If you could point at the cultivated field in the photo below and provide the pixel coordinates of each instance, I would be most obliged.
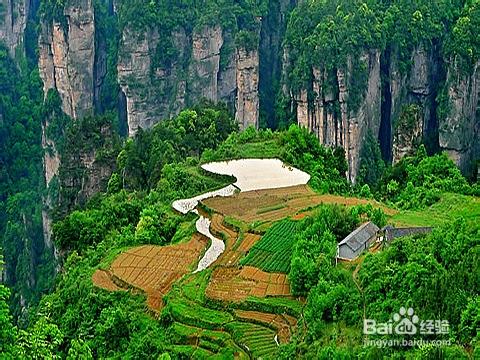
(282, 324)
(152, 269)
(276, 204)
(233, 284)
(274, 250)
(103, 279)
(259, 340)
(236, 245)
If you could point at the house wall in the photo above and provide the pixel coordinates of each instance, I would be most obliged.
(345, 252)
(401, 232)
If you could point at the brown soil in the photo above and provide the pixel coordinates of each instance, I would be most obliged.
(275, 204)
(152, 269)
(231, 284)
(248, 241)
(102, 279)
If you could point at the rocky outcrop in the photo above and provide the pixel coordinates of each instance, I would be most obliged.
(14, 16)
(153, 90)
(345, 127)
(413, 98)
(205, 63)
(66, 64)
(247, 88)
(398, 105)
(66, 57)
(51, 164)
(408, 134)
(459, 130)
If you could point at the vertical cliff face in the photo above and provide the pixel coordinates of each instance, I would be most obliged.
(247, 88)
(413, 98)
(272, 33)
(398, 104)
(333, 116)
(153, 89)
(206, 65)
(51, 164)
(14, 16)
(459, 130)
(66, 57)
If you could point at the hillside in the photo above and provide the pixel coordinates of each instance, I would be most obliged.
(129, 273)
(239, 179)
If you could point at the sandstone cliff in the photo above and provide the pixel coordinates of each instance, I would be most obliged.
(398, 105)
(66, 57)
(459, 130)
(206, 65)
(246, 112)
(14, 15)
(330, 116)
(153, 91)
(413, 100)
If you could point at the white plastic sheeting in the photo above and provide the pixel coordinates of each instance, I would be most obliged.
(258, 174)
(251, 174)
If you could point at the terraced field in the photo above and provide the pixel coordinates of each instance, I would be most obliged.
(274, 250)
(264, 205)
(103, 279)
(235, 285)
(282, 324)
(275, 204)
(237, 245)
(199, 330)
(256, 339)
(152, 269)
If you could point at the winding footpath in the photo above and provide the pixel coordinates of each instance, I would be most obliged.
(251, 174)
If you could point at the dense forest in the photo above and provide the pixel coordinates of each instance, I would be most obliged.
(109, 110)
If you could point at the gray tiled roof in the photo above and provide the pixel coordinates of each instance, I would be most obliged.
(360, 236)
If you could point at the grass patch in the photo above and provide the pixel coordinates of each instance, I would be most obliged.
(449, 208)
(193, 314)
(259, 340)
(189, 352)
(237, 225)
(194, 285)
(185, 231)
(274, 305)
(274, 250)
(271, 208)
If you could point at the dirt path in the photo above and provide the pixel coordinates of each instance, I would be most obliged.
(357, 283)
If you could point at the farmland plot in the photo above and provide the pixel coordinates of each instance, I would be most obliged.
(152, 269)
(282, 324)
(231, 284)
(276, 204)
(258, 340)
(274, 250)
(103, 279)
(265, 205)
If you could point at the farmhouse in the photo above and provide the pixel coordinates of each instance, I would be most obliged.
(358, 241)
(388, 233)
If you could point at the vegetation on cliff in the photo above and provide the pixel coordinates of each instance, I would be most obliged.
(138, 178)
(30, 262)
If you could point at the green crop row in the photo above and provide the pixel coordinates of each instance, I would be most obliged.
(274, 251)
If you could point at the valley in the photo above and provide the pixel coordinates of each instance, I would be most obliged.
(232, 179)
